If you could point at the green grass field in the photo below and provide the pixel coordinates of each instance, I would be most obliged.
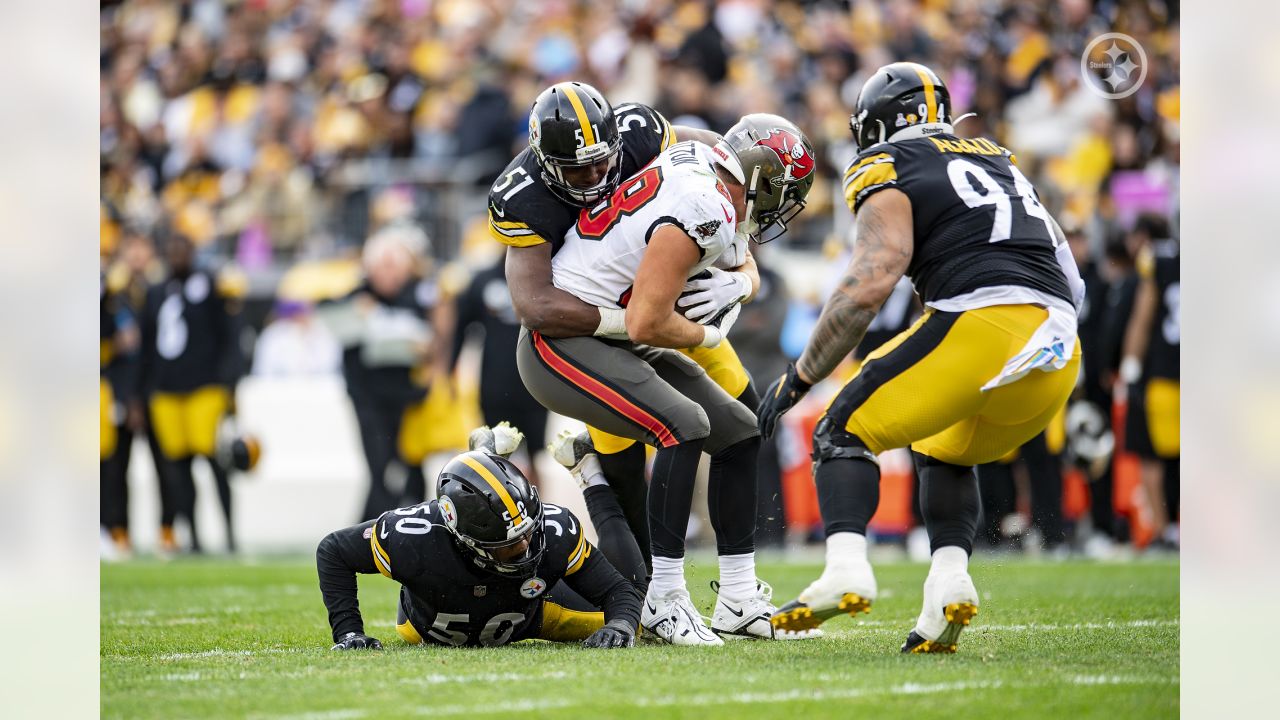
(223, 639)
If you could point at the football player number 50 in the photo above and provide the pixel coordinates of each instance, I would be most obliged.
(495, 632)
(963, 174)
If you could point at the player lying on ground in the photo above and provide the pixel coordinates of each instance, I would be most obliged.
(486, 563)
(689, 209)
(580, 149)
(992, 360)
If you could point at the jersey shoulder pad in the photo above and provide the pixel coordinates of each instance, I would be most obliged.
(520, 203)
(566, 542)
(874, 169)
(397, 537)
(704, 211)
(644, 131)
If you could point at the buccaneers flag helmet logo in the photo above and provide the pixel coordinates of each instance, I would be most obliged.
(797, 163)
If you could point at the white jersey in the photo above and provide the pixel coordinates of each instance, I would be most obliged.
(603, 250)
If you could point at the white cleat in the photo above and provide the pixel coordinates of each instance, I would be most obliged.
(674, 619)
(577, 454)
(748, 617)
(950, 602)
(502, 439)
(844, 591)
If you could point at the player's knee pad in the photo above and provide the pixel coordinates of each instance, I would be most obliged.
(831, 442)
(690, 422)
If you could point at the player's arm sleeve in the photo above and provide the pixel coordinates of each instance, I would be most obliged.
(468, 309)
(147, 347)
(232, 287)
(1067, 262)
(592, 576)
(513, 232)
(340, 555)
(868, 174)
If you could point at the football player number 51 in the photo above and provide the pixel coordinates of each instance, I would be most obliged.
(511, 178)
(961, 171)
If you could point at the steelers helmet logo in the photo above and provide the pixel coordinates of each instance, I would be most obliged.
(449, 512)
(532, 588)
(535, 131)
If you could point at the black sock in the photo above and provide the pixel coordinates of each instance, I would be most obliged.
(1045, 470)
(223, 482)
(948, 502)
(613, 536)
(848, 493)
(625, 473)
(731, 497)
(996, 490)
(671, 495)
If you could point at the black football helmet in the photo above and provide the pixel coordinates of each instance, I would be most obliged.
(489, 506)
(775, 161)
(896, 97)
(574, 136)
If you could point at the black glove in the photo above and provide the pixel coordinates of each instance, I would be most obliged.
(357, 641)
(781, 396)
(614, 634)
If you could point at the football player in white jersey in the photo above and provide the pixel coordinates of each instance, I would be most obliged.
(691, 208)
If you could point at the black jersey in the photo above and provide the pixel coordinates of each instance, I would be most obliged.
(978, 221)
(387, 380)
(453, 601)
(1160, 264)
(523, 211)
(190, 333)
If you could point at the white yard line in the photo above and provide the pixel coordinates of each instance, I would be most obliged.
(716, 699)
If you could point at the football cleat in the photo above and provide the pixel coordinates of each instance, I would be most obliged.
(502, 439)
(577, 454)
(837, 592)
(950, 603)
(748, 617)
(672, 618)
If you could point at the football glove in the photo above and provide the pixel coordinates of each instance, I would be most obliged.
(711, 292)
(781, 396)
(614, 634)
(357, 641)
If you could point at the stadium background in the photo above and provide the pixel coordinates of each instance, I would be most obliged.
(279, 135)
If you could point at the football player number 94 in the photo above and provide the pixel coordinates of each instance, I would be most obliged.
(960, 172)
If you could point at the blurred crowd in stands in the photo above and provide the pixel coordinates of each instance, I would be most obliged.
(279, 135)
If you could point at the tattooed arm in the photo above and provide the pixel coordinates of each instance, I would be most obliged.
(880, 256)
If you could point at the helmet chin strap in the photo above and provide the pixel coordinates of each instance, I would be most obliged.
(749, 213)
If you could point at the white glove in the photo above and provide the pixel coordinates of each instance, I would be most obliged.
(718, 328)
(713, 291)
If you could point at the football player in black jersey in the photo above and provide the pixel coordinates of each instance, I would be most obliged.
(580, 148)
(1150, 372)
(191, 362)
(992, 360)
(486, 563)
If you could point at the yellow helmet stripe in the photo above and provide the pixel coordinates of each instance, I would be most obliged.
(588, 134)
(930, 95)
(498, 487)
